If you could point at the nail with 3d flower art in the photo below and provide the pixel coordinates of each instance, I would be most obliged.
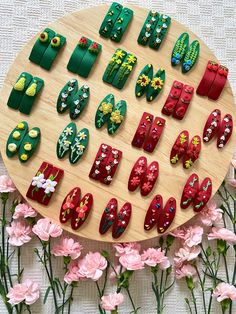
(153, 213)
(225, 131)
(180, 147)
(142, 130)
(203, 195)
(65, 140)
(66, 95)
(149, 178)
(212, 125)
(122, 221)
(81, 211)
(143, 80)
(172, 98)
(137, 173)
(167, 216)
(109, 216)
(189, 191)
(69, 204)
(154, 134)
(15, 138)
(100, 161)
(193, 152)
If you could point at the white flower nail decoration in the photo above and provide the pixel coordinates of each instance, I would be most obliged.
(38, 181)
(49, 186)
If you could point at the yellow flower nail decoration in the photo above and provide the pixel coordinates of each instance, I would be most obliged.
(20, 126)
(174, 159)
(131, 59)
(27, 146)
(188, 163)
(157, 83)
(182, 138)
(106, 108)
(24, 157)
(195, 141)
(116, 117)
(143, 80)
(16, 135)
(119, 54)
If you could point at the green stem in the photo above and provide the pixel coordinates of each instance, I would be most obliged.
(71, 298)
(156, 292)
(194, 300)
(202, 288)
(51, 273)
(226, 267)
(18, 265)
(131, 300)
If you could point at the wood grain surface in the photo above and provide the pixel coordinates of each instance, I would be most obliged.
(212, 162)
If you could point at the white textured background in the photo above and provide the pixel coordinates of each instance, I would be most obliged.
(213, 20)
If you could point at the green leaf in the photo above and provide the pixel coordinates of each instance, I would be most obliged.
(46, 294)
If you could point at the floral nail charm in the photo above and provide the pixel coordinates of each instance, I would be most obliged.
(69, 204)
(104, 110)
(108, 170)
(79, 102)
(65, 140)
(191, 56)
(192, 153)
(180, 49)
(225, 131)
(143, 80)
(66, 95)
(109, 216)
(190, 190)
(153, 213)
(203, 195)
(142, 130)
(149, 178)
(172, 98)
(167, 216)
(137, 173)
(122, 221)
(79, 145)
(100, 161)
(156, 85)
(82, 210)
(212, 125)
(117, 116)
(179, 147)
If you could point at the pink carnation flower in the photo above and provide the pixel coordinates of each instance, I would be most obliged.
(224, 291)
(67, 247)
(233, 163)
(210, 214)
(222, 234)
(186, 270)
(24, 210)
(92, 266)
(6, 184)
(153, 257)
(131, 261)
(111, 301)
(125, 248)
(19, 233)
(186, 254)
(27, 291)
(193, 235)
(231, 181)
(45, 228)
(73, 272)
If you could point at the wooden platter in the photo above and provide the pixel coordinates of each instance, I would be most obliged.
(213, 163)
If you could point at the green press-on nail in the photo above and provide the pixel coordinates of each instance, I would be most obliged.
(78, 54)
(18, 90)
(29, 144)
(114, 65)
(15, 138)
(124, 71)
(156, 85)
(104, 110)
(144, 80)
(180, 49)
(79, 102)
(110, 19)
(30, 95)
(191, 56)
(117, 116)
(66, 95)
(65, 140)
(41, 45)
(79, 145)
(148, 27)
(57, 42)
(121, 24)
(159, 32)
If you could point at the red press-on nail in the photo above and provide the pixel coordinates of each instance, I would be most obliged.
(183, 102)
(192, 153)
(203, 195)
(190, 190)
(153, 212)
(149, 178)
(81, 211)
(154, 134)
(212, 125)
(172, 98)
(122, 221)
(137, 173)
(142, 129)
(219, 83)
(167, 215)
(207, 79)
(180, 147)
(69, 204)
(100, 160)
(109, 216)
(225, 131)
(108, 170)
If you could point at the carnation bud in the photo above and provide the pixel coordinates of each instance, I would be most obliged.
(169, 270)
(169, 240)
(225, 304)
(105, 254)
(221, 246)
(190, 283)
(208, 251)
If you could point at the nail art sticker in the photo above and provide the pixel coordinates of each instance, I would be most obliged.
(19, 89)
(212, 125)
(142, 129)
(167, 216)
(15, 138)
(208, 78)
(192, 153)
(180, 147)
(153, 213)
(79, 102)
(66, 95)
(225, 131)
(172, 98)
(100, 161)
(190, 190)
(183, 102)
(69, 204)
(108, 170)
(137, 173)
(81, 212)
(203, 195)
(143, 80)
(38, 180)
(218, 83)
(65, 140)
(180, 49)
(191, 56)
(154, 134)
(156, 85)
(149, 178)
(104, 110)
(109, 216)
(29, 144)
(117, 116)
(122, 221)
(79, 145)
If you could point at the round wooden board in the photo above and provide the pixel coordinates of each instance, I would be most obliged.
(213, 163)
